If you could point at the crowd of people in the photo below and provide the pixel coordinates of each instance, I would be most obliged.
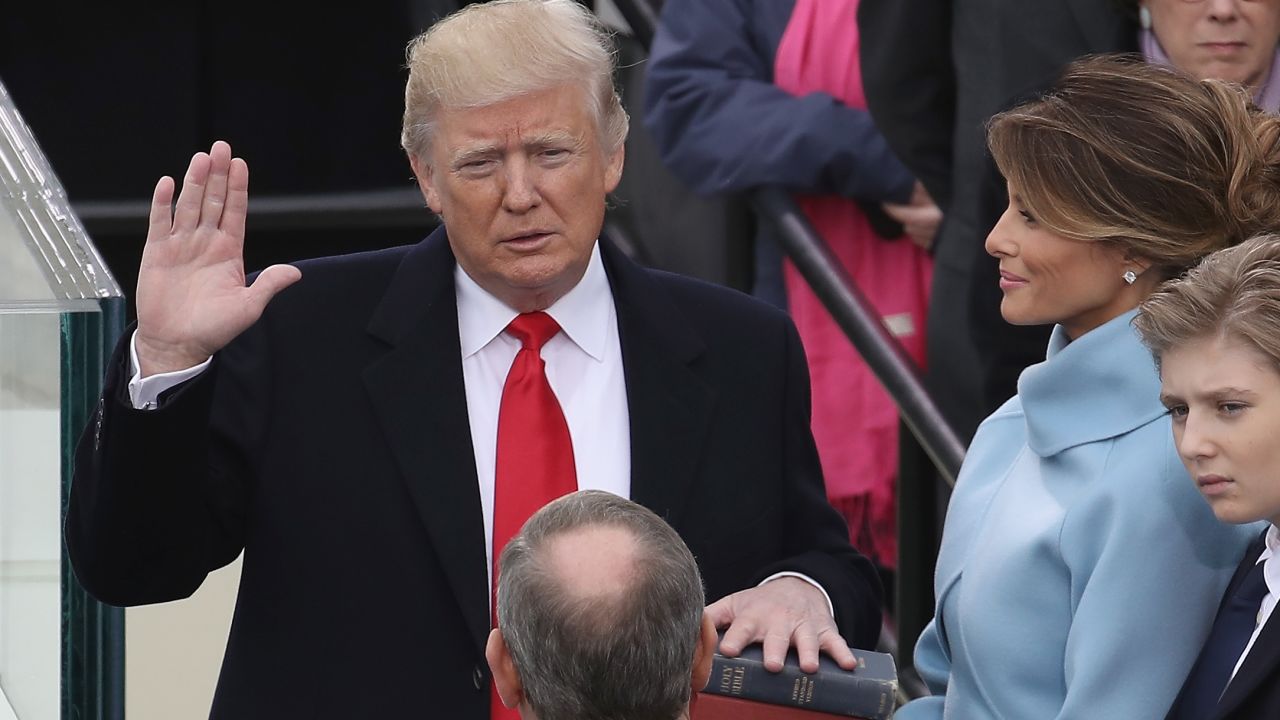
(508, 471)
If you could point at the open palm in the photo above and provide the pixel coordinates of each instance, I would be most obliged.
(191, 296)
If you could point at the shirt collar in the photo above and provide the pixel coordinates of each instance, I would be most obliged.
(580, 313)
(1271, 556)
(1272, 547)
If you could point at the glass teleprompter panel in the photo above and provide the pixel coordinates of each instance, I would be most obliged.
(53, 286)
(30, 490)
(46, 259)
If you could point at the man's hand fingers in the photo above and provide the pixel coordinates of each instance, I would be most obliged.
(806, 643)
(269, 282)
(721, 611)
(215, 191)
(161, 219)
(780, 613)
(237, 207)
(190, 198)
(834, 645)
(740, 634)
(776, 642)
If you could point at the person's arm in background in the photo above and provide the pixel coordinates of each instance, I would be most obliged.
(721, 124)
(910, 84)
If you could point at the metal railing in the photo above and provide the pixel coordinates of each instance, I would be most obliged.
(860, 322)
(888, 361)
(396, 207)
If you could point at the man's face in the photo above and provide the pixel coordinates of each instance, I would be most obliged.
(521, 186)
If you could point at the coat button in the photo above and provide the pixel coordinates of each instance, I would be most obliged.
(477, 677)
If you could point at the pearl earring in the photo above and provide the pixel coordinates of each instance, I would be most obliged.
(1130, 276)
(1144, 17)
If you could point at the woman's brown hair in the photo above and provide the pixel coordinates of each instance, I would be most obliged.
(1162, 166)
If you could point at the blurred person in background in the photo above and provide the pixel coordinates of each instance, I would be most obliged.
(1232, 40)
(742, 94)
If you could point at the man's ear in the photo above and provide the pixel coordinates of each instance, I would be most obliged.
(426, 182)
(504, 672)
(613, 169)
(702, 654)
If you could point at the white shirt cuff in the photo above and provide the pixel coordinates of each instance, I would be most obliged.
(787, 573)
(145, 392)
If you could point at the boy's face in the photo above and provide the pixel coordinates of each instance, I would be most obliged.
(1224, 398)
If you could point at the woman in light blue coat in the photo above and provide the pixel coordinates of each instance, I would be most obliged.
(1079, 567)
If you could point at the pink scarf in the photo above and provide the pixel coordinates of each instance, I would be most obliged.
(855, 423)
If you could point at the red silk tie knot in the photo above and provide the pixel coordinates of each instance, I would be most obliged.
(533, 329)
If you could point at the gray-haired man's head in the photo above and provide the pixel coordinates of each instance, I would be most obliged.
(600, 615)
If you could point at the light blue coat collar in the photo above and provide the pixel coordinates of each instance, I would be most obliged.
(1101, 385)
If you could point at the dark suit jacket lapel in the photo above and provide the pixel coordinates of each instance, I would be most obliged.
(668, 403)
(419, 398)
(1264, 656)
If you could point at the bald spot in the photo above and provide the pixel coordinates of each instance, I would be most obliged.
(594, 562)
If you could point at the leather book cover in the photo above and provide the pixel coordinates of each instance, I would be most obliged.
(869, 691)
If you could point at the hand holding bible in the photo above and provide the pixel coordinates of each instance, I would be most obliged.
(778, 614)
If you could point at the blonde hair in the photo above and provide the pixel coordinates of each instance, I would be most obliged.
(1142, 157)
(490, 52)
(1234, 293)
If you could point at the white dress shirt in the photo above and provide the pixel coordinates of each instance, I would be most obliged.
(584, 368)
(1271, 573)
(583, 365)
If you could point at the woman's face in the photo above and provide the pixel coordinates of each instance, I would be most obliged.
(1223, 39)
(1224, 399)
(1047, 278)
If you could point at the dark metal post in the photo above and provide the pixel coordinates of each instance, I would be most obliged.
(92, 633)
(853, 313)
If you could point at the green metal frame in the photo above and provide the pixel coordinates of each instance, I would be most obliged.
(92, 633)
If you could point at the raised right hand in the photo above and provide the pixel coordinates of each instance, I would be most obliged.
(191, 296)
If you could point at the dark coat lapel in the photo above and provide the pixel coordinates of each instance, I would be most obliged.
(668, 403)
(1264, 657)
(420, 401)
(418, 395)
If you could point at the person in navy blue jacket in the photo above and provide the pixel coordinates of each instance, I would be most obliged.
(748, 93)
(723, 126)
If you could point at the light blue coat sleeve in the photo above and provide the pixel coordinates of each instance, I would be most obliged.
(934, 666)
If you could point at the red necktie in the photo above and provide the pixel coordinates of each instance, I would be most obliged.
(535, 453)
